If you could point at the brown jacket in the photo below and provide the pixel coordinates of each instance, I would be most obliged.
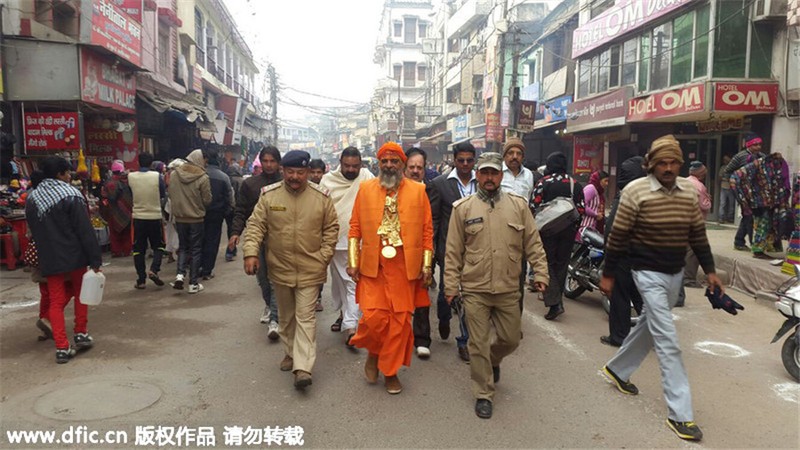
(486, 244)
(299, 229)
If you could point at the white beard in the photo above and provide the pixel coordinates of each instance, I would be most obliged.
(390, 181)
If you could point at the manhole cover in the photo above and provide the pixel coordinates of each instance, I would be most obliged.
(97, 400)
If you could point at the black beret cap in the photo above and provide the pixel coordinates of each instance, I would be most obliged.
(296, 158)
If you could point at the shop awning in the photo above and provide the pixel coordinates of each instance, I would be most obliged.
(438, 137)
(194, 113)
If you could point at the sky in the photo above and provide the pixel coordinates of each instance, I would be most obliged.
(319, 46)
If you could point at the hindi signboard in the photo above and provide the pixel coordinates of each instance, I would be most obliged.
(51, 131)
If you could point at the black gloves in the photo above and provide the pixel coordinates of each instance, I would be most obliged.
(722, 301)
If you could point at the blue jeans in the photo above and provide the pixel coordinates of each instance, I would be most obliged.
(727, 205)
(267, 292)
(444, 313)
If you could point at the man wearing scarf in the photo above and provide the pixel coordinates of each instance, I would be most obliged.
(342, 186)
(390, 247)
(58, 219)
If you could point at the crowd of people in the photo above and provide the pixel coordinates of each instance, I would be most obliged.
(381, 237)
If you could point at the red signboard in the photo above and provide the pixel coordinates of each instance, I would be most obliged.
(106, 84)
(132, 8)
(607, 110)
(526, 115)
(109, 138)
(494, 131)
(51, 131)
(666, 104)
(746, 97)
(588, 155)
(116, 31)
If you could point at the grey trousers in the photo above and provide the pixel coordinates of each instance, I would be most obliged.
(656, 329)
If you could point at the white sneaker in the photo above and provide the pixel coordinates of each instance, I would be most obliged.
(272, 331)
(265, 316)
(178, 283)
(195, 288)
(423, 352)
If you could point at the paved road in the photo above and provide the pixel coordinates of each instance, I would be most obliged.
(203, 360)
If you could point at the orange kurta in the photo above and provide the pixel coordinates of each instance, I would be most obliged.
(387, 290)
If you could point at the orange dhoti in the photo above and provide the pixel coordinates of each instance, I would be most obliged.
(387, 302)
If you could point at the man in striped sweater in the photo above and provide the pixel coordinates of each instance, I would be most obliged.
(657, 219)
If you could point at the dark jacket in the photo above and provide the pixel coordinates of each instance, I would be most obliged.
(445, 193)
(629, 170)
(65, 238)
(249, 192)
(556, 183)
(221, 192)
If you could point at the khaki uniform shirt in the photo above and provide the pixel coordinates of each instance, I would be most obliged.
(299, 230)
(486, 244)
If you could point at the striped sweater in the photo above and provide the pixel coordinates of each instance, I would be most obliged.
(654, 226)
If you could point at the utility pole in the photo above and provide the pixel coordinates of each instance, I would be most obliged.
(501, 74)
(273, 98)
(513, 92)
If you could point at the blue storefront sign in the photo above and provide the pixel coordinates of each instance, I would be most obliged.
(552, 111)
(461, 128)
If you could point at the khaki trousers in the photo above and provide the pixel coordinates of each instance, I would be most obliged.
(297, 324)
(483, 310)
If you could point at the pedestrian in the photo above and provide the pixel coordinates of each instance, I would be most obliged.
(421, 323)
(269, 159)
(727, 199)
(190, 195)
(58, 219)
(295, 222)
(489, 233)
(392, 226)
(170, 228)
(316, 170)
(448, 189)
(31, 259)
(116, 210)
(342, 185)
(625, 294)
(697, 176)
(750, 153)
(658, 218)
(594, 198)
(222, 203)
(234, 173)
(516, 177)
(148, 191)
(558, 246)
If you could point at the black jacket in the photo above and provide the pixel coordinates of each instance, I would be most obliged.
(556, 183)
(221, 192)
(446, 193)
(64, 236)
(629, 170)
(249, 192)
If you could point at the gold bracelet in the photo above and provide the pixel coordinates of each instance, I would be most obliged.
(427, 260)
(352, 252)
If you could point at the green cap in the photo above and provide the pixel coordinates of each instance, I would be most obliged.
(490, 159)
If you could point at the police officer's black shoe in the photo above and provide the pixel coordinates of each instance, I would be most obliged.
(496, 373)
(554, 312)
(483, 408)
(444, 330)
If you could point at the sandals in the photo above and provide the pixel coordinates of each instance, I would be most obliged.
(337, 326)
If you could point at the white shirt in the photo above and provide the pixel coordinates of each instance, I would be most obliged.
(522, 184)
(467, 190)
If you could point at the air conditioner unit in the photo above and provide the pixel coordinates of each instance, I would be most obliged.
(765, 10)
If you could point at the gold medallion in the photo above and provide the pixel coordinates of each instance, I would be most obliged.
(389, 252)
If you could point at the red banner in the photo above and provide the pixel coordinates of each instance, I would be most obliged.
(494, 131)
(746, 97)
(51, 131)
(670, 103)
(588, 156)
(106, 84)
(110, 138)
(116, 31)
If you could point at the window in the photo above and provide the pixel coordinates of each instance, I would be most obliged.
(613, 80)
(410, 36)
(593, 75)
(644, 61)
(603, 70)
(760, 51)
(163, 50)
(409, 74)
(398, 29)
(681, 69)
(730, 40)
(423, 30)
(629, 62)
(422, 73)
(398, 70)
(583, 78)
(200, 37)
(659, 68)
(600, 6)
(701, 41)
(211, 48)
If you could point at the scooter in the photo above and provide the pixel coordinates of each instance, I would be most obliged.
(788, 304)
(585, 266)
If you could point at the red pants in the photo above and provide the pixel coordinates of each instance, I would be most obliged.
(44, 300)
(120, 241)
(59, 297)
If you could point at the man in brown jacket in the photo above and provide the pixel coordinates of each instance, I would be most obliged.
(490, 233)
(190, 193)
(297, 222)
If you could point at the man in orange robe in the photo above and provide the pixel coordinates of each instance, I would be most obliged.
(390, 248)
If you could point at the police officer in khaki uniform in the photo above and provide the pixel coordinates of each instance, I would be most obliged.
(297, 222)
(489, 235)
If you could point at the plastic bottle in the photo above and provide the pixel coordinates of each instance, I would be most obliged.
(92, 287)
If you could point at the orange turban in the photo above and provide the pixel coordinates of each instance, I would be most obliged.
(392, 147)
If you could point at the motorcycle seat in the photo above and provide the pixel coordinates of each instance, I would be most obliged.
(593, 238)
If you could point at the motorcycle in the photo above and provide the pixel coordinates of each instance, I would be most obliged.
(585, 267)
(788, 304)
